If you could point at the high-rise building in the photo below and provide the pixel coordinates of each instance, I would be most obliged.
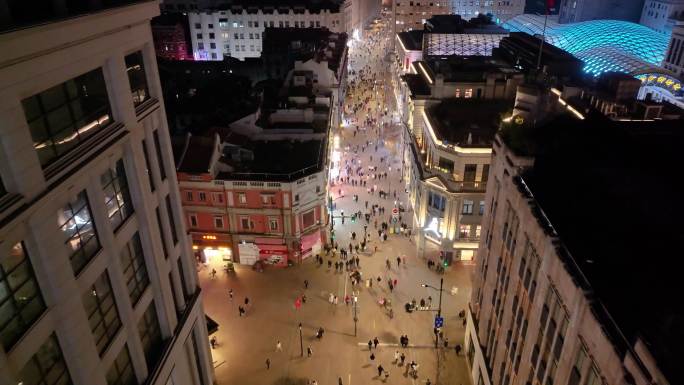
(563, 292)
(661, 15)
(97, 281)
(573, 11)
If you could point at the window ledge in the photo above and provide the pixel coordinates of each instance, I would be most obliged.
(145, 108)
(9, 202)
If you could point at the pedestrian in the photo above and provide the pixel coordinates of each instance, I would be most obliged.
(458, 349)
(331, 298)
(230, 294)
(306, 284)
(396, 356)
(213, 273)
(402, 357)
(339, 381)
(395, 282)
(279, 347)
(376, 342)
(446, 342)
(213, 342)
(309, 352)
(246, 301)
(380, 370)
(268, 364)
(398, 261)
(429, 304)
(370, 345)
(372, 357)
(241, 310)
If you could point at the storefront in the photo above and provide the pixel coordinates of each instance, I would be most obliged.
(212, 249)
(311, 244)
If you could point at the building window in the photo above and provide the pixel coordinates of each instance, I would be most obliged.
(150, 336)
(308, 219)
(193, 220)
(188, 196)
(81, 236)
(3, 190)
(160, 157)
(210, 26)
(135, 68)
(469, 173)
(464, 231)
(148, 170)
(468, 93)
(134, 270)
(218, 197)
(199, 35)
(172, 220)
(242, 198)
(245, 223)
(121, 371)
(62, 117)
(198, 25)
(46, 367)
(162, 233)
(268, 199)
(436, 201)
(218, 222)
(212, 45)
(212, 35)
(482, 207)
(202, 196)
(273, 224)
(467, 207)
(478, 231)
(200, 45)
(256, 24)
(117, 198)
(103, 317)
(458, 93)
(20, 300)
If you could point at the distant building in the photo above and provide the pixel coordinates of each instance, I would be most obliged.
(674, 58)
(548, 298)
(97, 281)
(238, 30)
(574, 11)
(661, 15)
(408, 15)
(171, 37)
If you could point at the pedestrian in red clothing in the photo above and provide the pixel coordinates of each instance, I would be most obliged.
(395, 283)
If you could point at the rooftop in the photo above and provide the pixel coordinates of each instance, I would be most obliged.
(193, 154)
(411, 40)
(303, 158)
(417, 84)
(617, 210)
(466, 69)
(453, 24)
(468, 122)
(281, 6)
(305, 43)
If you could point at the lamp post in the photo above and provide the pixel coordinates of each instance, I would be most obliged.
(356, 319)
(301, 342)
(439, 308)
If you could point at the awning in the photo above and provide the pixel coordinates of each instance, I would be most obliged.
(212, 326)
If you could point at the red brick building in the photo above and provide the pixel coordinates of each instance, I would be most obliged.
(171, 39)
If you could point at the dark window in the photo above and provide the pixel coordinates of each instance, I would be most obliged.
(446, 164)
(121, 371)
(81, 236)
(172, 220)
(150, 336)
(135, 68)
(147, 164)
(162, 233)
(62, 117)
(184, 285)
(103, 317)
(436, 201)
(198, 360)
(134, 270)
(160, 158)
(117, 198)
(3, 190)
(469, 173)
(485, 172)
(20, 300)
(46, 367)
(176, 303)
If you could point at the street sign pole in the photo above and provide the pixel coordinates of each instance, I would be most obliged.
(355, 318)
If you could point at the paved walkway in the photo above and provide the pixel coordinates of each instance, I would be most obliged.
(244, 343)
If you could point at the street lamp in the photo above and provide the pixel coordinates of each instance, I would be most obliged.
(439, 309)
(356, 319)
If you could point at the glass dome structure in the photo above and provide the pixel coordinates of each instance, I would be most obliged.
(603, 45)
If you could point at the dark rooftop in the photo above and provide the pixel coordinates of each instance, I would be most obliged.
(611, 191)
(295, 159)
(468, 122)
(192, 154)
(417, 84)
(270, 6)
(467, 68)
(412, 40)
(453, 24)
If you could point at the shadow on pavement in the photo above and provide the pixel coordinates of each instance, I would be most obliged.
(291, 381)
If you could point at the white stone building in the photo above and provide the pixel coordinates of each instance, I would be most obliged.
(413, 14)
(238, 31)
(98, 284)
(661, 15)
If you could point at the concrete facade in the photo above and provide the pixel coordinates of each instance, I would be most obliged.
(34, 205)
(573, 11)
(661, 15)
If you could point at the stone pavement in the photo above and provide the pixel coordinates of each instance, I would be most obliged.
(244, 343)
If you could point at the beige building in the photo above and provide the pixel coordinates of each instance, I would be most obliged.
(562, 297)
(97, 281)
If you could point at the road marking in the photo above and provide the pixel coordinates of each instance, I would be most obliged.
(349, 379)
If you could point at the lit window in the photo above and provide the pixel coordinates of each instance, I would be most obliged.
(100, 307)
(273, 224)
(117, 198)
(135, 68)
(464, 231)
(478, 231)
(134, 270)
(468, 93)
(64, 116)
(467, 207)
(21, 302)
(458, 93)
(81, 236)
(242, 198)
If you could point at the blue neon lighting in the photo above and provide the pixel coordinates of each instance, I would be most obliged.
(603, 45)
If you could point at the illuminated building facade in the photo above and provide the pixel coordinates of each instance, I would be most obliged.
(97, 281)
(410, 15)
(575, 11)
(603, 45)
(548, 297)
